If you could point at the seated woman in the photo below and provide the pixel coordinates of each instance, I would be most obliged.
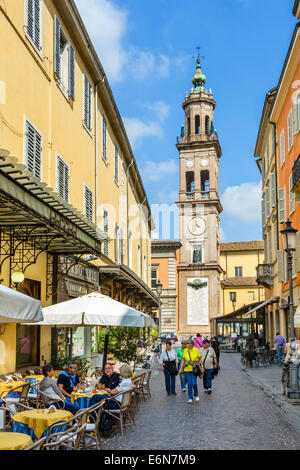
(124, 385)
(49, 387)
(250, 354)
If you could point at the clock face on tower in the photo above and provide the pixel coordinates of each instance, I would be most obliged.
(189, 164)
(197, 226)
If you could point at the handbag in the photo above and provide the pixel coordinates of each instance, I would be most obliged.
(196, 369)
(171, 366)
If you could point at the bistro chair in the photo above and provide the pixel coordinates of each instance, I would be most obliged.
(82, 374)
(37, 445)
(79, 418)
(44, 401)
(23, 390)
(125, 410)
(66, 440)
(146, 383)
(92, 432)
(135, 393)
(6, 419)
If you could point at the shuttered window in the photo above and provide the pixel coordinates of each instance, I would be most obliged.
(290, 130)
(275, 239)
(267, 195)
(270, 248)
(282, 206)
(273, 136)
(64, 60)
(105, 229)
(282, 147)
(87, 105)
(273, 189)
(116, 163)
(34, 22)
(88, 203)
(267, 156)
(33, 150)
(263, 172)
(296, 114)
(292, 195)
(263, 212)
(62, 179)
(104, 132)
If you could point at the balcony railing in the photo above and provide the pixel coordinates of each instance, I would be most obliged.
(265, 275)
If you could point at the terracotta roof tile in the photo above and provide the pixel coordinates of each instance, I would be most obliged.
(242, 246)
(239, 282)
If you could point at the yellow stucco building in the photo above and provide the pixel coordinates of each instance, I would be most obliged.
(239, 261)
(74, 214)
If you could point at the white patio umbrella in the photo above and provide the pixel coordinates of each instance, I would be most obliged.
(18, 308)
(94, 310)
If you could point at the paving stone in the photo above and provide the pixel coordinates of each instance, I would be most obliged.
(237, 415)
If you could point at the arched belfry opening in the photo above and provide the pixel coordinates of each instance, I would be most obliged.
(205, 183)
(207, 125)
(190, 182)
(188, 132)
(197, 125)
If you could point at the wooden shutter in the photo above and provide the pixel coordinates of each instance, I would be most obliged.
(292, 195)
(30, 18)
(105, 229)
(33, 150)
(267, 195)
(263, 212)
(62, 179)
(57, 67)
(273, 190)
(282, 147)
(282, 207)
(88, 204)
(295, 118)
(37, 23)
(71, 72)
(280, 266)
(290, 129)
(87, 103)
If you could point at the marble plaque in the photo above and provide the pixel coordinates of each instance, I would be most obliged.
(197, 303)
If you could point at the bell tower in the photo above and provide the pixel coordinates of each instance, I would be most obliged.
(200, 208)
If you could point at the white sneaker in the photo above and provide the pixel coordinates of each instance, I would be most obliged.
(197, 398)
(184, 389)
(190, 401)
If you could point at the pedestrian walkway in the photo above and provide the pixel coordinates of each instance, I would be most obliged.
(238, 415)
(269, 380)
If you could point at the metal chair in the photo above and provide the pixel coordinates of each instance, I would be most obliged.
(37, 445)
(43, 401)
(124, 410)
(23, 390)
(146, 383)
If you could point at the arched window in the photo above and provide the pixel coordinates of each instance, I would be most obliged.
(207, 125)
(188, 127)
(190, 182)
(205, 184)
(197, 125)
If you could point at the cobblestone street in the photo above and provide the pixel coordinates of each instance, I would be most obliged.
(238, 415)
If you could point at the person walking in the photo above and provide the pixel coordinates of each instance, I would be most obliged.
(280, 344)
(169, 366)
(182, 376)
(250, 354)
(216, 346)
(191, 358)
(209, 364)
(198, 341)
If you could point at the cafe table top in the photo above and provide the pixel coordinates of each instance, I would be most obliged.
(7, 386)
(39, 420)
(77, 395)
(14, 441)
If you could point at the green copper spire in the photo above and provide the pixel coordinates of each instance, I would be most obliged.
(199, 78)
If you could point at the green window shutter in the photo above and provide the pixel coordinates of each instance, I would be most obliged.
(62, 179)
(87, 103)
(57, 67)
(33, 150)
(280, 266)
(88, 197)
(71, 72)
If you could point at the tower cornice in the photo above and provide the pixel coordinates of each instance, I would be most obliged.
(198, 142)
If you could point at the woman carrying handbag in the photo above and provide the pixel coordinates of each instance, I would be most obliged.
(192, 365)
(169, 366)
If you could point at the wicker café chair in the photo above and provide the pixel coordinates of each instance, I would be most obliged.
(37, 445)
(146, 383)
(43, 401)
(92, 437)
(125, 410)
(66, 440)
(23, 398)
(79, 418)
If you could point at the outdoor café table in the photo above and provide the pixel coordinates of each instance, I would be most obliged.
(83, 399)
(14, 441)
(56, 373)
(36, 423)
(34, 379)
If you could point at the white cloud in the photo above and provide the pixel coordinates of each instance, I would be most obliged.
(145, 64)
(137, 130)
(161, 171)
(106, 24)
(243, 202)
(161, 109)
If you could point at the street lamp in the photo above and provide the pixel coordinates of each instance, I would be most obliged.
(159, 292)
(17, 278)
(289, 242)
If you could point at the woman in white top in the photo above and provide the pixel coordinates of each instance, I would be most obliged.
(169, 365)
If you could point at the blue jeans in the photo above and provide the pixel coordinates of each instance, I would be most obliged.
(207, 378)
(68, 406)
(192, 385)
(280, 354)
(182, 380)
(169, 381)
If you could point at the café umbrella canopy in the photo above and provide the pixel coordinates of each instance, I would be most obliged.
(18, 308)
(94, 309)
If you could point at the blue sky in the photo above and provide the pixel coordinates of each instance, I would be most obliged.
(147, 50)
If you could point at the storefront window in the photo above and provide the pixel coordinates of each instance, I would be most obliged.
(78, 341)
(25, 342)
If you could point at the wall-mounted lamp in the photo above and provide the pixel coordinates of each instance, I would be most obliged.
(17, 278)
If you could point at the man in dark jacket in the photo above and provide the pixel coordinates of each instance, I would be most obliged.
(109, 379)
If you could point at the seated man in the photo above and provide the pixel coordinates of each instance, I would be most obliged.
(66, 381)
(50, 388)
(109, 379)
